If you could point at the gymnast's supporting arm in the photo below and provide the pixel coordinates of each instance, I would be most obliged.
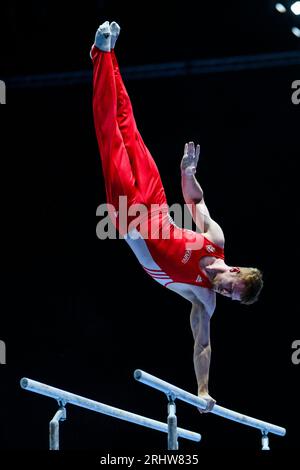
(200, 324)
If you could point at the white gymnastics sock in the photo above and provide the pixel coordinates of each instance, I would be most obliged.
(103, 36)
(114, 31)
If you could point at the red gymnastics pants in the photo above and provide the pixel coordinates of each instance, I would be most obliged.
(128, 167)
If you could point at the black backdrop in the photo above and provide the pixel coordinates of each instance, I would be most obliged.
(79, 313)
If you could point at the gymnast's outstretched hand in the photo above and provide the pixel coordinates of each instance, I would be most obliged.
(190, 159)
(210, 402)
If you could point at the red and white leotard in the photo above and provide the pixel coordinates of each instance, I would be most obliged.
(129, 170)
(171, 260)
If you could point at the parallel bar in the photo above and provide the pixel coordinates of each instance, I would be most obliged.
(187, 397)
(77, 400)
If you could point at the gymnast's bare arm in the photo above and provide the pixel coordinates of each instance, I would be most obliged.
(200, 324)
(193, 196)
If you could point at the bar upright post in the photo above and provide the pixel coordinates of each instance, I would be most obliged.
(60, 415)
(265, 441)
(172, 425)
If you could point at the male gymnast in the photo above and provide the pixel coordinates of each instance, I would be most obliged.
(190, 263)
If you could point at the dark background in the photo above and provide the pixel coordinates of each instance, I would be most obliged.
(79, 313)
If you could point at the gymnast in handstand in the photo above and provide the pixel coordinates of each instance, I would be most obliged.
(190, 263)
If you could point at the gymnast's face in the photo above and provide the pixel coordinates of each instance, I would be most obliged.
(228, 285)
